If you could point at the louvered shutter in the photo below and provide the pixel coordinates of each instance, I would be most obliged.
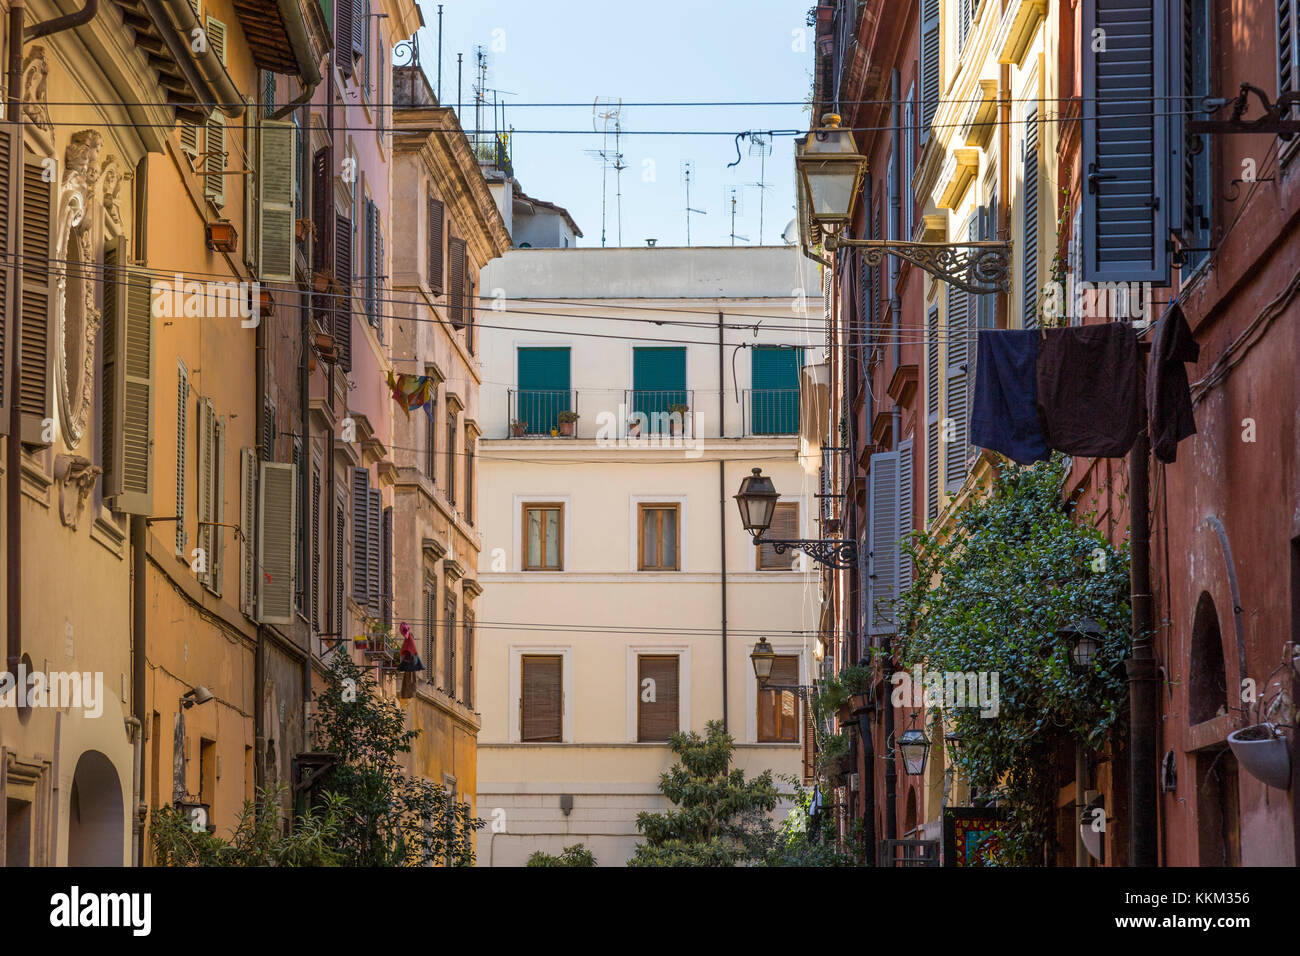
(216, 31)
(1125, 142)
(909, 164)
(343, 275)
(214, 163)
(456, 305)
(268, 93)
(386, 568)
(189, 139)
(469, 308)
(430, 627)
(449, 643)
(435, 251)
(127, 404)
(657, 678)
(778, 710)
(315, 556)
(344, 27)
(360, 536)
(360, 27)
(277, 534)
(268, 429)
(247, 517)
(541, 698)
(956, 391)
(339, 611)
(1288, 47)
(809, 750)
(933, 426)
(9, 165)
(276, 210)
(963, 22)
(1029, 209)
(206, 486)
(930, 65)
(374, 553)
(985, 305)
(34, 386)
(372, 245)
(182, 430)
(322, 215)
(217, 556)
(905, 488)
(882, 538)
(467, 656)
(785, 526)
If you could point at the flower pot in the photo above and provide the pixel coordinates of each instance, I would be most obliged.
(860, 703)
(566, 429)
(518, 431)
(633, 429)
(1263, 752)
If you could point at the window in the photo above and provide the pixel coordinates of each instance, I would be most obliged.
(774, 398)
(467, 660)
(543, 545)
(449, 644)
(659, 387)
(182, 420)
(1195, 234)
(785, 524)
(207, 773)
(469, 476)
(451, 458)
(1029, 229)
(431, 448)
(657, 697)
(778, 710)
(1288, 46)
(456, 285)
(543, 377)
(657, 538)
(430, 624)
(929, 65)
(541, 698)
(435, 250)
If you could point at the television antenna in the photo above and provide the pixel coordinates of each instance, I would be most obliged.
(760, 145)
(606, 119)
(735, 202)
(688, 169)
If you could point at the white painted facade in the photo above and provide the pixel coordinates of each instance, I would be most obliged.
(600, 612)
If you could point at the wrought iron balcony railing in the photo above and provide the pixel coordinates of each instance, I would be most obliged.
(771, 411)
(539, 413)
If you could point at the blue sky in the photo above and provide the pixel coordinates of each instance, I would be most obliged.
(573, 51)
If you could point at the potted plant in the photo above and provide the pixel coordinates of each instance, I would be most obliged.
(1262, 750)
(567, 420)
(518, 428)
(857, 682)
(634, 426)
(677, 419)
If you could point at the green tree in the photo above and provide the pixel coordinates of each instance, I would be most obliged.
(258, 839)
(798, 843)
(575, 855)
(391, 818)
(991, 590)
(722, 819)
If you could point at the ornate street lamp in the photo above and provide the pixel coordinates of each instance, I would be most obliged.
(757, 502)
(762, 657)
(830, 172)
(1085, 639)
(915, 747)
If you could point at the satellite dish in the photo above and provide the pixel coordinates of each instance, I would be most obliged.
(791, 233)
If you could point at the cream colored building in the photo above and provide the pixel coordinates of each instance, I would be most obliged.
(602, 625)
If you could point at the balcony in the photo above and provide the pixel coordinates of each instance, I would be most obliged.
(536, 413)
(771, 411)
(659, 411)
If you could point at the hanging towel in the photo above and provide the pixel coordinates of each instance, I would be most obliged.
(1004, 416)
(1169, 400)
(1088, 394)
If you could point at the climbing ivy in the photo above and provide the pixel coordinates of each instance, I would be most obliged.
(992, 587)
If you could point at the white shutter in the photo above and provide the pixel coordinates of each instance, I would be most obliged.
(216, 31)
(904, 512)
(247, 517)
(207, 448)
(931, 61)
(214, 163)
(956, 390)
(276, 170)
(127, 404)
(932, 423)
(277, 514)
(882, 539)
(190, 139)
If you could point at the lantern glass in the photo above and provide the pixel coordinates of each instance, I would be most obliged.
(1085, 637)
(915, 747)
(831, 169)
(757, 502)
(762, 658)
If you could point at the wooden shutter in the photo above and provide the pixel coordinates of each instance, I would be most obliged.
(541, 698)
(930, 65)
(206, 486)
(361, 536)
(127, 404)
(449, 642)
(247, 518)
(456, 305)
(657, 719)
(216, 31)
(343, 275)
(315, 556)
(882, 542)
(277, 535)
(956, 389)
(182, 429)
(374, 552)
(430, 627)
(467, 657)
(451, 459)
(339, 611)
(360, 27)
(435, 250)
(268, 429)
(904, 513)
(1125, 142)
(1288, 47)
(322, 215)
(344, 27)
(469, 476)
(9, 166)
(214, 162)
(189, 139)
(932, 424)
(277, 185)
(809, 750)
(217, 556)
(1029, 230)
(778, 710)
(372, 243)
(386, 567)
(34, 386)
(785, 525)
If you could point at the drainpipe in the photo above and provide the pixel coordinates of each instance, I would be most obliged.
(135, 730)
(259, 653)
(1141, 665)
(1002, 304)
(722, 513)
(139, 650)
(895, 222)
(868, 785)
(210, 65)
(13, 452)
(310, 73)
(304, 493)
(59, 24)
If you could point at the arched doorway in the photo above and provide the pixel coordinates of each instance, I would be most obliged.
(96, 814)
(1208, 685)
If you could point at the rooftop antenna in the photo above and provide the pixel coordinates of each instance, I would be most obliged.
(734, 202)
(440, 54)
(760, 145)
(688, 168)
(606, 117)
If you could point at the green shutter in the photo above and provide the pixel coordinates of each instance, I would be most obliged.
(543, 388)
(658, 383)
(774, 396)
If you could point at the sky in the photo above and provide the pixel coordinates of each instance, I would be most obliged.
(574, 51)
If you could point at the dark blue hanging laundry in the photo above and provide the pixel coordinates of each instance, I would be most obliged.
(1004, 416)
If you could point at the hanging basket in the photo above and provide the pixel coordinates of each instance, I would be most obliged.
(1263, 752)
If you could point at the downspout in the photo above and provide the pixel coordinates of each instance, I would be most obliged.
(135, 730)
(13, 453)
(1141, 665)
(309, 72)
(891, 761)
(895, 222)
(139, 652)
(304, 493)
(59, 24)
(722, 512)
(259, 654)
(214, 72)
(1002, 305)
